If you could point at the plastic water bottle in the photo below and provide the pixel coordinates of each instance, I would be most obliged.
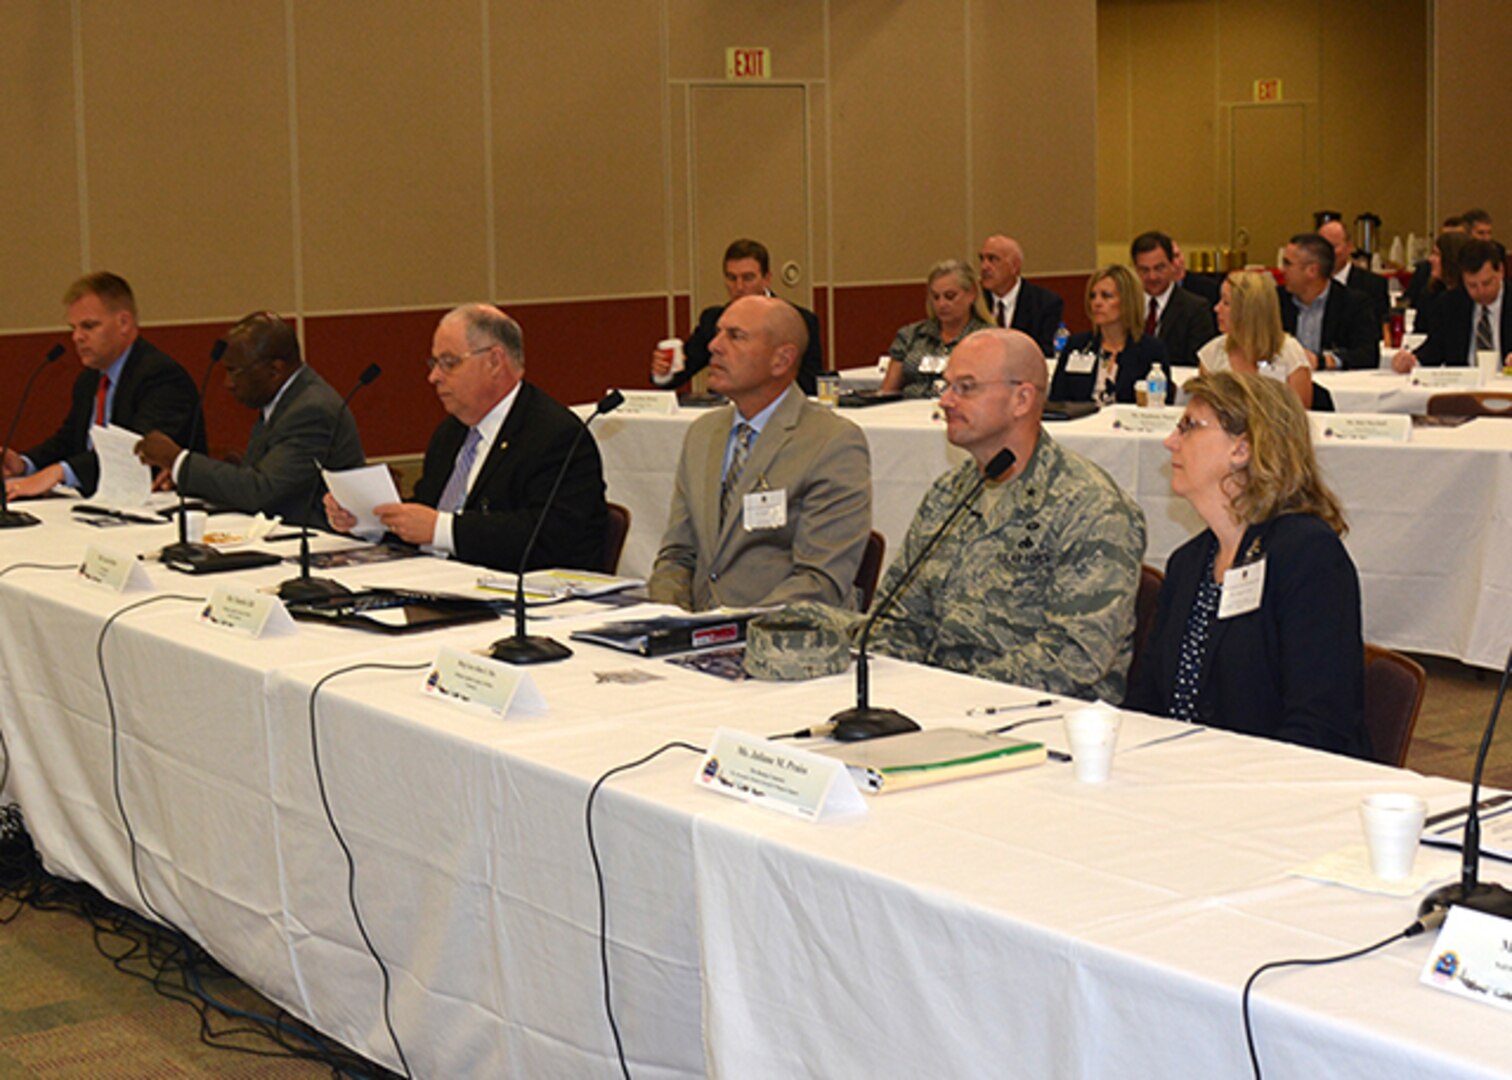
(1061, 337)
(1156, 381)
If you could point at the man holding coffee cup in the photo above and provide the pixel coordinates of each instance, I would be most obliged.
(747, 272)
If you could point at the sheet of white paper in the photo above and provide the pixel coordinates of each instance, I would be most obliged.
(125, 483)
(359, 490)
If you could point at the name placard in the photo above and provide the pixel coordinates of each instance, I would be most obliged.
(480, 683)
(649, 403)
(782, 778)
(247, 612)
(1438, 378)
(1361, 427)
(1473, 958)
(1151, 420)
(115, 570)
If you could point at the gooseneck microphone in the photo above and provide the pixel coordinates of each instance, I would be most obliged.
(16, 519)
(1469, 891)
(865, 721)
(305, 588)
(522, 648)
(184, 551)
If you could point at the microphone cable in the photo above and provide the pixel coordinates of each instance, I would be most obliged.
(346, 851)
(598, 877)
(1416, 928)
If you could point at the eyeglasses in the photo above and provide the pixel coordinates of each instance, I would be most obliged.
(1186, 425)
(968, 388)
(449, 363)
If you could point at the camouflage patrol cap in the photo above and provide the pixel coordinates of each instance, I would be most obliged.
(802, 641)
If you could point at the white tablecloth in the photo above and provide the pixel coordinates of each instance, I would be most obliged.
(1014, 925)
(1427, 519)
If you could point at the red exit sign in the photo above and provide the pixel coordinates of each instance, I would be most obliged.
(748, 63)
(1267, 89)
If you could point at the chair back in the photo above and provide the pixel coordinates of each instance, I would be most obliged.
(1322, 400)
(1471, 403)
(871, 568)
(614, 536)
(1394, 686)
(1146, 600)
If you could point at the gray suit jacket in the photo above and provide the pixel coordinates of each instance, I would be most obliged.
(277, 475)
(821, 461)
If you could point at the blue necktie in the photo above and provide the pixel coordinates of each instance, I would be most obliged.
(455, 492)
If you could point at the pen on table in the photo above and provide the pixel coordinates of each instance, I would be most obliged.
(1057, 755)
(1021, 723)
(993, 710)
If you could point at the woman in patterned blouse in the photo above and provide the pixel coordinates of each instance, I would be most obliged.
(919, 351)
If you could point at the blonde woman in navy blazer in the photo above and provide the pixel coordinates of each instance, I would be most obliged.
(1120, 352)
(1288, 662)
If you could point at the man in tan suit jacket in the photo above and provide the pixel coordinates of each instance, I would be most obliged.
(773, 496)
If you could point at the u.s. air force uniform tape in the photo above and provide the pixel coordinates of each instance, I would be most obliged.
(802, 641)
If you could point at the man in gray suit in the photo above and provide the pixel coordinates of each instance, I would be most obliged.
(299, 412)
(773, 496)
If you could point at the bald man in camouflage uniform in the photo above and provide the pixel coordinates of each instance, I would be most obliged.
(1035, 584)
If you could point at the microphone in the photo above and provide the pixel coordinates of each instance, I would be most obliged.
(17, 519)
(522, 648)
(1469, 892)
(864, 721)
(305, 588)
(184, 551)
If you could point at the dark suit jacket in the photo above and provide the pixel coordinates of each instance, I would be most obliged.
(1294, 668)
(510, 491)
(278, 473)
(1186, 325)
(1038, 313)
(1451, 330)
(154, 393)
(696, 349)
(1349, 327)
(1373, 287)
(1202, 285)
(1133, 364)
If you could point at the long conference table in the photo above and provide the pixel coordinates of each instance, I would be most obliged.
(1430, 520)
(1016, 925)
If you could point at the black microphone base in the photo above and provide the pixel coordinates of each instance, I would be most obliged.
(187, 553)
(1491, 899)
(854, 725)
(528, 650)
(302, 590)
(17, 519)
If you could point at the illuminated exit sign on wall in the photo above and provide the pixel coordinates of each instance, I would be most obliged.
(748, 63)
(1267, 89)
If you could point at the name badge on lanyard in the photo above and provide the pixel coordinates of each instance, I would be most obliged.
(1081, 362)
(765, 510)
(1242, 588)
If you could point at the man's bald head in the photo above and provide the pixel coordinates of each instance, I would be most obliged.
(1017, 355)
(999, 263)
(783, 325)
(1338, 239)
(994, 394)
(754, 357)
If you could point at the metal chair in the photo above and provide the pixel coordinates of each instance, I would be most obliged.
(1394, 686)
(1471, 403)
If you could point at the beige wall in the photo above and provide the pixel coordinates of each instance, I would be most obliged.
(1171, 72)
(1473, 112)
(322, 158)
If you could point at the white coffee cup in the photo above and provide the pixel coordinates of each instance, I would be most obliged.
(194, 525)
(1393, 825)
(1092, 734)
(675, 347)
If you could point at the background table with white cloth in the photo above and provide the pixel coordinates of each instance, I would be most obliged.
(1013, 925)
(1429, 520)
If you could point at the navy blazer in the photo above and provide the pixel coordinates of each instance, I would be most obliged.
(1450, 330)
(696, 350)
(154, 394)
(1038, 313)
(1372, 287)
(510, 490)
(1133, 364)
(1186, 325)
(1350, 329)
(1294, 668)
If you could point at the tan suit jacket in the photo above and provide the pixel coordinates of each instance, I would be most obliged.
(821, 461)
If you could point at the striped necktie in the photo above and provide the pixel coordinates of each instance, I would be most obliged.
(745, 435)
(455, 492)
(1484, 342)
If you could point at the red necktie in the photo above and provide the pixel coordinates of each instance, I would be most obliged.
(100, 396)
(1153, 318)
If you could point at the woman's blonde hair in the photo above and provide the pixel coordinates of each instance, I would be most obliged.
(1282, 476)
(1254, 316)
(1128, 293)
(966, 278)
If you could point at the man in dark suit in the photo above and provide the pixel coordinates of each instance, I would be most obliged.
(1334, 324)
(301, 426)
(492, 463)
(747, 272)
(125, 382)
(1345, 272)
(1203, 285)
(1179, 318)
(1015, 303)
(1472, 318)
